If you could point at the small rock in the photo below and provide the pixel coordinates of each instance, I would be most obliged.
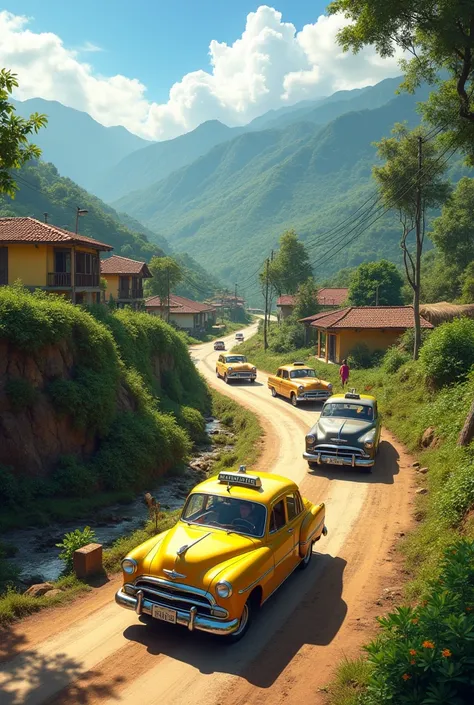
(423, 471)
(54, 592)
(401, 534)
(428, 437)
(419, 516)
(421, 490)
(415, 465)
(39, 589)
(214, 432)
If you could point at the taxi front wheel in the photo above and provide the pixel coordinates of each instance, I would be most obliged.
(307, 559)
(245, 622)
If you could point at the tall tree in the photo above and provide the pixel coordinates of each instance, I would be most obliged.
(411, 190)
(439, 36)
(376, 283)
(167, 274)
(453, 231)
(291, 266)
(15, 150)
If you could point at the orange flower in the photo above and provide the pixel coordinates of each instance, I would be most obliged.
(413, 662)
(406, 677)
(446, 653)
(469, 609)
(428, 645)
(424, 603)
(412, 652)
(415, 620)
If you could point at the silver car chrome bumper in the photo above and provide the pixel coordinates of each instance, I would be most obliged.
(185, 618)
(241, 375)
(320, 397)
(353, 461)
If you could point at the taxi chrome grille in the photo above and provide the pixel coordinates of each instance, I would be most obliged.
(316, 394)
(339, 451)
(177, 597)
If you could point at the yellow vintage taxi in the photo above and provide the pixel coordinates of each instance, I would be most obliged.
(299, 382)
(240, 535)
(232, 367)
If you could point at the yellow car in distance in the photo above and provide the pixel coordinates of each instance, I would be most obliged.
(298, 382)
(232, 367)
(239, 537)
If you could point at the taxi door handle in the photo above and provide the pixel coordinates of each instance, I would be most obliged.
(290, 531)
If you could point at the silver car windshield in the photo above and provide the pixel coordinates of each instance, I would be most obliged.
(228, 513)
(297, 374)
(346, 410)
(236, 358)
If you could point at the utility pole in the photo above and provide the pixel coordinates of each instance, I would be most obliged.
(79, 212)
(419, 248)
(168, 296)
(265, 341)
(45, 217)
(377, 294)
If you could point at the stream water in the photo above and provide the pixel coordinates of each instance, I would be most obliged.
(37, 554)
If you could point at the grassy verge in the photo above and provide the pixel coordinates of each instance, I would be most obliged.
(14, 605)
(350, 681)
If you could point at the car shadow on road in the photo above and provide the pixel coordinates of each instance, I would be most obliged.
(307, 610)
(384, 471)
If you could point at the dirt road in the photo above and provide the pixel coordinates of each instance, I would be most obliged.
(94, 652)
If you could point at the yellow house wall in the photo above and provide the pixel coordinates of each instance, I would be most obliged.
(183, 320)
(112, 286)
(374, 339)
(28, 263)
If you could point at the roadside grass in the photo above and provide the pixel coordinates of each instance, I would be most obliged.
(14, 605)
(349, 682)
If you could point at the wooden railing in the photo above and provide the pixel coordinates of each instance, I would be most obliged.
(87, 279)
(130, 293)
(59, 279)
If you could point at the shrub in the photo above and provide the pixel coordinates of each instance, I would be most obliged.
(393, 359)
(193, 421)
(448, 354)
(72, 542)
(406, 341)
(73, 478)
(361, 358)
(21, 393)
(425, 654)
(289, 335)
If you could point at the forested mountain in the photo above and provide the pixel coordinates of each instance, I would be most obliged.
(42, 190)
(230, 206)
(76, 144)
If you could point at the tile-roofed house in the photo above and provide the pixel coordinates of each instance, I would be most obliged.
(44, 256)
(326, 298)
(124, 277)
(184, 313)
(378, 327)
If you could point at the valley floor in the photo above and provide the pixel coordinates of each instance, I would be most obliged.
(94, 652)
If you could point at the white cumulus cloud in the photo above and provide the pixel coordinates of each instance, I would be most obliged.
(269, 66)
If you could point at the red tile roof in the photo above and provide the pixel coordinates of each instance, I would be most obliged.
(326, 297)
(30, 230)
(123, 265)
(400, 317)
(332, 297)
(178, 304)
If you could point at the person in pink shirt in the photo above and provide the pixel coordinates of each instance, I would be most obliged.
(344, 372)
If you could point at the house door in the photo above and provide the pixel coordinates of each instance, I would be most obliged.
(3, 266)
(332, 348)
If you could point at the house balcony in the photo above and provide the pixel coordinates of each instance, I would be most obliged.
(130, 294)
(59, 280)
(91, 280)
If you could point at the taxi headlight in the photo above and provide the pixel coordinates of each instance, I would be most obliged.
(368, 444)
(254, 369)
(311, 439)
(329, 385)
(301, 388)
(129, 566)
(230, 369)
(224, 589)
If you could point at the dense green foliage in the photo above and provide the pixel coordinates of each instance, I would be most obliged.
(72, 541)
(118, 354)
(424, 655)
(376, 283)
(252, 188)
(81, 148)
(448, 355)
(15, 131)
(453, 231)
(290, 266)
(306, 303)
(167, 274)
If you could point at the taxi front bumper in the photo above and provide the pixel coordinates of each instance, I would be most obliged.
(186, 618)
(349, 460)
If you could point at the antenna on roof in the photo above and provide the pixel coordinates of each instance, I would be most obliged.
(45, 217)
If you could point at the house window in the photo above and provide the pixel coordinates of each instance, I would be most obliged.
(3, 266)
(62, 261)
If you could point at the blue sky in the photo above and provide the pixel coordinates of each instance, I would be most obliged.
(157, 42)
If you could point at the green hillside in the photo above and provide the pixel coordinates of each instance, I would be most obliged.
(158, 160)
(229, 207)
(80, 147)
(43, 190)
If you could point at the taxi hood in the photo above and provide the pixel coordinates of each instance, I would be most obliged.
(311, 383)
(330, 428)
(195, 552)
(240, 366)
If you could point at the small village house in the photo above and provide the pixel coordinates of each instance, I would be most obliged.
(43, 256)
(327, 299)
(377, 327)
(124, 279)
(185, 314)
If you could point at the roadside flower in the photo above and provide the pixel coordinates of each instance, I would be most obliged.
(424, 603)
(414, 620)
(469, 609)
(413, 662)
(406, 677)
(412, 652)
(428, 645)
(446, 653)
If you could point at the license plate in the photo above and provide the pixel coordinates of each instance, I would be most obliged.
(164, 613)
(335, 461)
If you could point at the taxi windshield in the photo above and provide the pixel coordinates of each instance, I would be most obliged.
(236, 358)
(238, 515)
(347, 410)
(304, 372)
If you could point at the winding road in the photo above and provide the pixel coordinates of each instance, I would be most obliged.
(94, 652)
